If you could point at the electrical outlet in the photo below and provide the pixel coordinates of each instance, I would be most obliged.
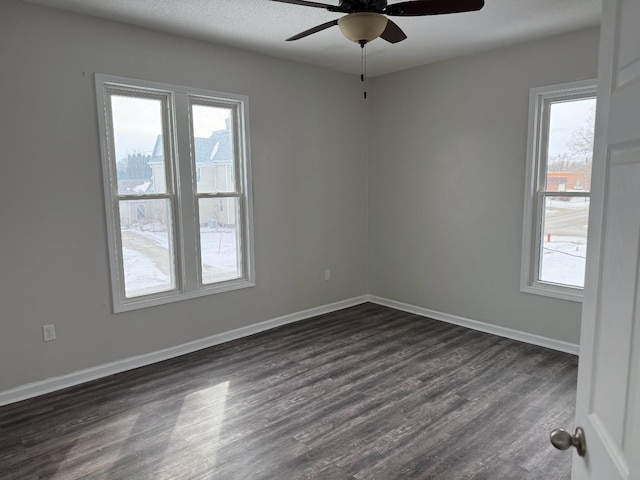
(48, 332)
(327, 274)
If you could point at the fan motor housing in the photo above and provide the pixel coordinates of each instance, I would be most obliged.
(364, 5)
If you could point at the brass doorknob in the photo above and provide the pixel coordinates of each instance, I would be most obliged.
(562, 440)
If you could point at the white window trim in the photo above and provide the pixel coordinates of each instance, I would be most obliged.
(532, 199)
(188, 282)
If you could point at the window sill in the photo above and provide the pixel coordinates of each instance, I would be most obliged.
(171, 297)
(548, 290)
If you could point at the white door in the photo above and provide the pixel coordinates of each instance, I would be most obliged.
(608, 407)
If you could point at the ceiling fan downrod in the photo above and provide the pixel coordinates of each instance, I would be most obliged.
(363, 74)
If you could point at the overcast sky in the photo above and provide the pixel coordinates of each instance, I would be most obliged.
(137, 123)
(566, 118)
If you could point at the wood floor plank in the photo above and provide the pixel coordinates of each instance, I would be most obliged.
(364, 393)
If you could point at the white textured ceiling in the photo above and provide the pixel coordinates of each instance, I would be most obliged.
(262, 25)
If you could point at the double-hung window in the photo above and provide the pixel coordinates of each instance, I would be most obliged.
(177, 185)
(557, 190)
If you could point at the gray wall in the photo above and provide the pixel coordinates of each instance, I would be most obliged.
(446, 161)
(309, 145)
(447, 167)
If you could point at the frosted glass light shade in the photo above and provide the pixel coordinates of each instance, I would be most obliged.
(362, 26)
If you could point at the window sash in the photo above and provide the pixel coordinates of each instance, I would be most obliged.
(545, 101)
(240, 238)
(539, 241)
(237, 143)
(168, 127)
(241, 235)
(172, 252)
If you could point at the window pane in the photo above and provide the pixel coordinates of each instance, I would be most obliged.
(138, 144)
(220, 240)
(570, 152)
(147, 247)
(564, 240)
(214, 149)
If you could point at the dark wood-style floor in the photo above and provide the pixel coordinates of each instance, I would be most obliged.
(365, 393)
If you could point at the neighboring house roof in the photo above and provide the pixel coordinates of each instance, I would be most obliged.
(218, 148)
(157, 154)
(133, 186)
(222, 150)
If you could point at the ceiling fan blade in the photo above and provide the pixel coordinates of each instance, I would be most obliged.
(316, 29)
(433, 7)
(393, 33)
(305, 3)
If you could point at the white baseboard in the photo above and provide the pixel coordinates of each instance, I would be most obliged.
(480, 326)
(49, 385)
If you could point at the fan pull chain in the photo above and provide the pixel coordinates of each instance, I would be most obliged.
(363, 75)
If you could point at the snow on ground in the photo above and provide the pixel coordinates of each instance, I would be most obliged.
(142, 275)
(563, 260)
(564, 241)
(157, 233)
(219, 254)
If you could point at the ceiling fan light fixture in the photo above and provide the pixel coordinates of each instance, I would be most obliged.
(362, 26)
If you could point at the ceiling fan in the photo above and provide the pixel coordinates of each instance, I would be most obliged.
(365, 20)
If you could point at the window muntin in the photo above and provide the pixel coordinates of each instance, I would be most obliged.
(152, 141)
(558, 189)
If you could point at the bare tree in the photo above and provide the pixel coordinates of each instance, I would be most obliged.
(561, 163)
(581, 143)
(579, 157)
